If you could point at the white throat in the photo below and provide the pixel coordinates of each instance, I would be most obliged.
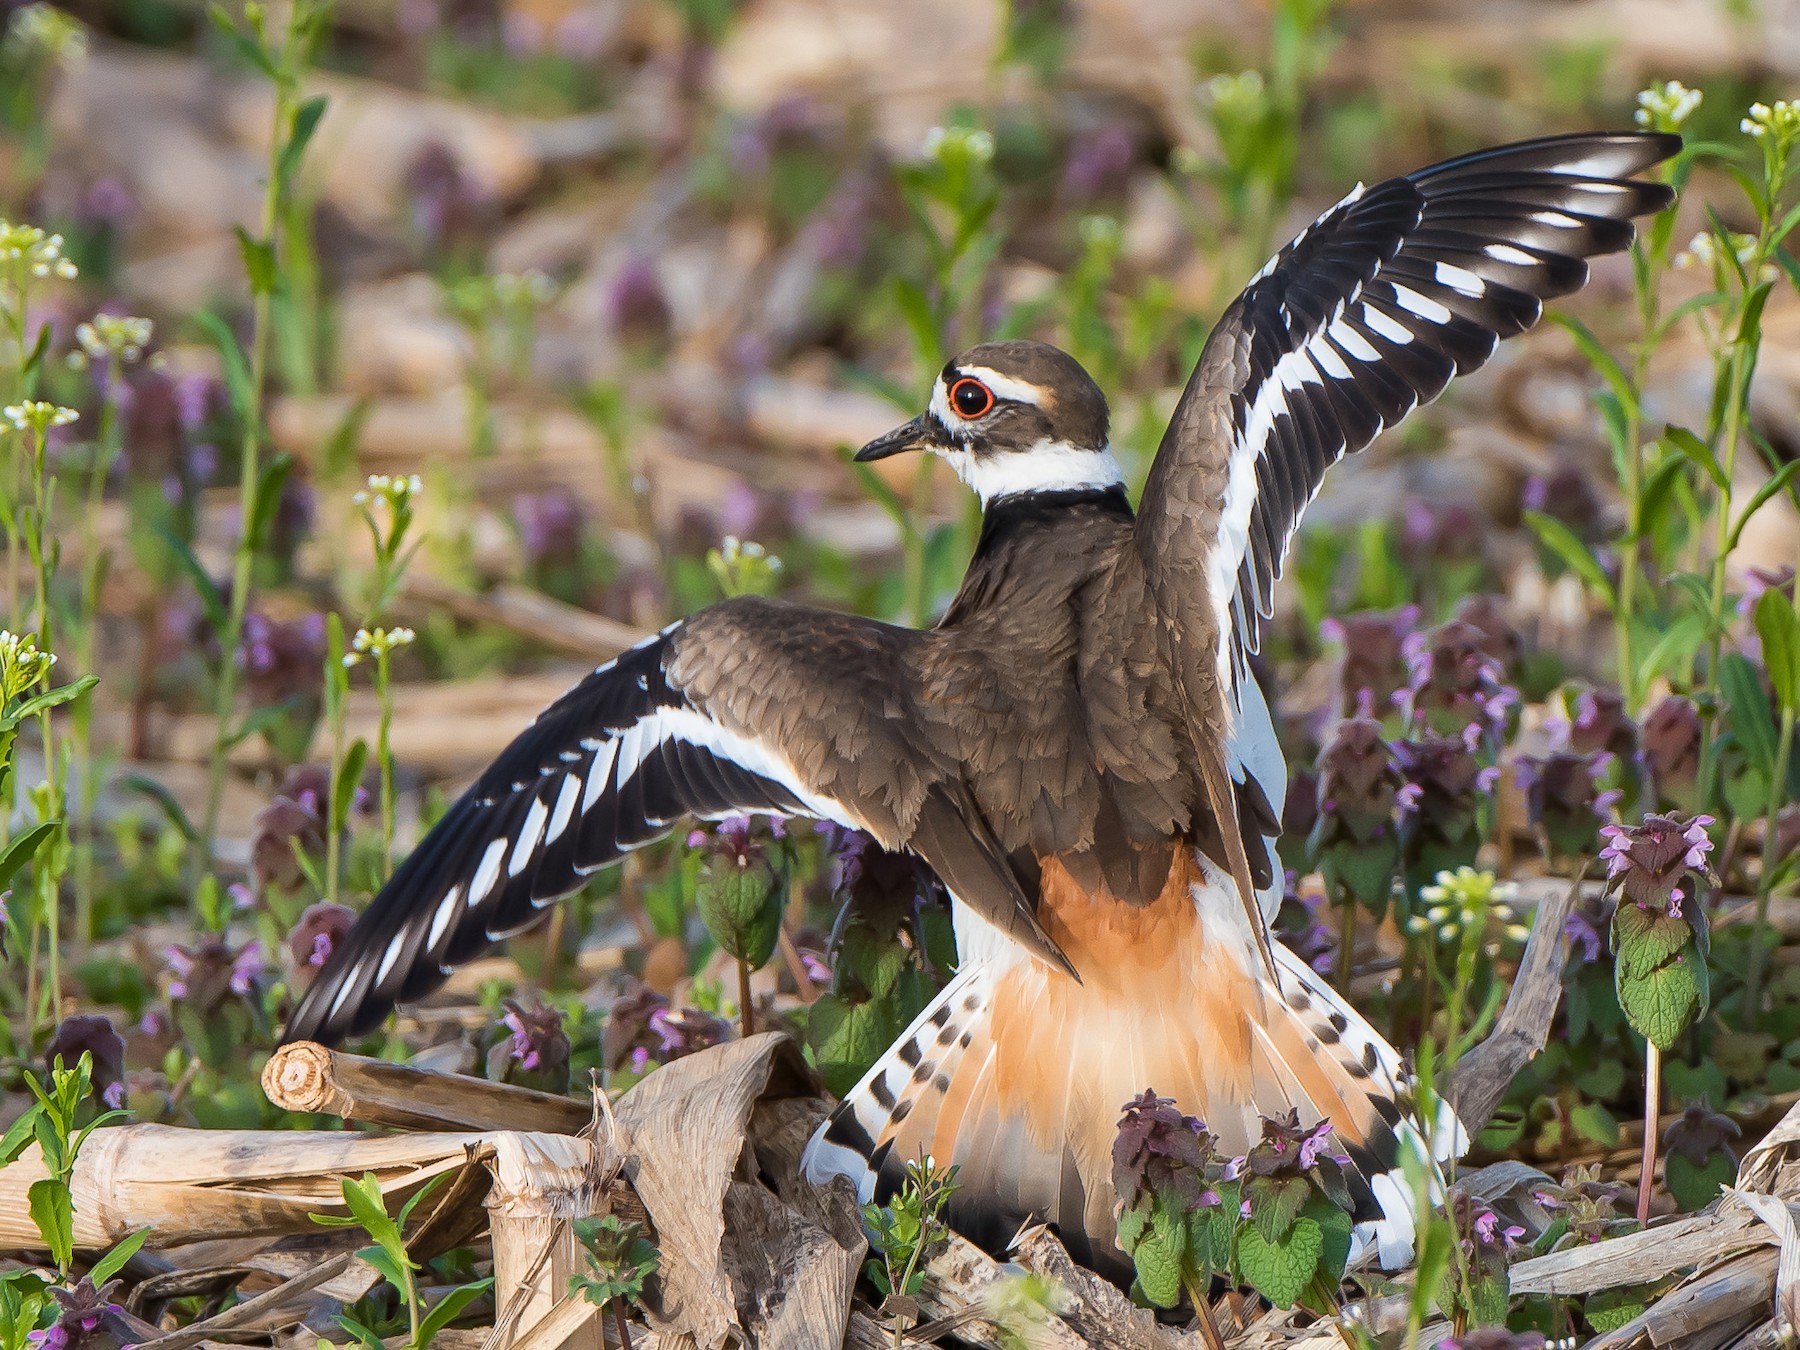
(1048, 466)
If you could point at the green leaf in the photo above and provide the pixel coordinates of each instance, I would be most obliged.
(1598, 356)
(1276, 1203)
(446, 1309)
(1697, 452)
(1749, 707)
(51, 698)
(1280, 1271)
(306, 121)
(18, 1135)
(1577, 556)
(349, 778)
(114, 1261)
(382, 1262)
(246, 45)
(54, 1214)
(413, 1200)
(268, 498)
(259, 261)
(1611, 1309)
(1662, 1003)
(1781, 480)
(231, 355)
(211, 601)
(1696, 1185)
(1334, 1225)
(23, 846)
(741, 906)
(846, 1039)
(1645, 938)
(1779, 629)
(366, 1337)
(1158, 1271)
(1594, 1123)
(339, 454)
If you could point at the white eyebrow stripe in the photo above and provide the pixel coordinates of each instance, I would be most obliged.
(1004, 386)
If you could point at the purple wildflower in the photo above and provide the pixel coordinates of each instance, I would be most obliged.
(1658, 863)
(636, 306)
(1563, 796)
(94, 1035)
(1160, 1153)
(320, 929)
(1452, 682)
(282, 827)
(535, 1050)
(685, 1030)
(1099, 163)
(1374, 659)
(1586, 927)
(1672, 747)
(551, 525)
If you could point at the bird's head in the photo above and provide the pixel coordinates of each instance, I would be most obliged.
(1013, 418)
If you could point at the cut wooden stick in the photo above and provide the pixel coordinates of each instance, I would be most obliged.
(305, 1076)
(190, 1185)
(540, 1183)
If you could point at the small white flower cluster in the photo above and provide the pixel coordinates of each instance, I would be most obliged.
(37, 416)
(1666, 105)
(22, 665)
(1703, 250)
(1463, 898)
(114, 335)
(523, 290)
(377, 643)
(1235, 93)
(735, 552)
(395, 490)
(1780, 121)
(945, 144)
(43, 28)
(41, 252)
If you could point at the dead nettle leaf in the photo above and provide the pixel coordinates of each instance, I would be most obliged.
(687, 1124)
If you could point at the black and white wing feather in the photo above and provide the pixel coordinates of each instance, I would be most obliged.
(1368, 313)
(607, 768)
(751, 706)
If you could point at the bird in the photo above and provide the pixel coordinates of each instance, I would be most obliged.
(1078, 748)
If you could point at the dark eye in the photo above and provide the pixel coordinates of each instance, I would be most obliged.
(971, 398)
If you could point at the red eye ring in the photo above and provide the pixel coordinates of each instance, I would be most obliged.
(970, 398)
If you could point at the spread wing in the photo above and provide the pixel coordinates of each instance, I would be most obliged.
(749, 707)
(1366, 314)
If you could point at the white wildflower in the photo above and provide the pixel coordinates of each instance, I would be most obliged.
(113, 335)
(1666, 105)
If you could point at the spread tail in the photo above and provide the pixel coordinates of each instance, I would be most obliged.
(1018, 1076)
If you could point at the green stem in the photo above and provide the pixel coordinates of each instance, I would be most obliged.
(244, 560)
(1730, 430)
(1652, 1105)
(385, 755)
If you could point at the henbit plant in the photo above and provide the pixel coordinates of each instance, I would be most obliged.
(283, 59)
(620, 1261)
(907, 1230)
(1661, 936)
(33, 1313)
(740, 892)
(54, 1121)
(389, 1257)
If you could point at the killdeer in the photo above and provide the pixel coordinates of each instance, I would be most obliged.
(1076, 748)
